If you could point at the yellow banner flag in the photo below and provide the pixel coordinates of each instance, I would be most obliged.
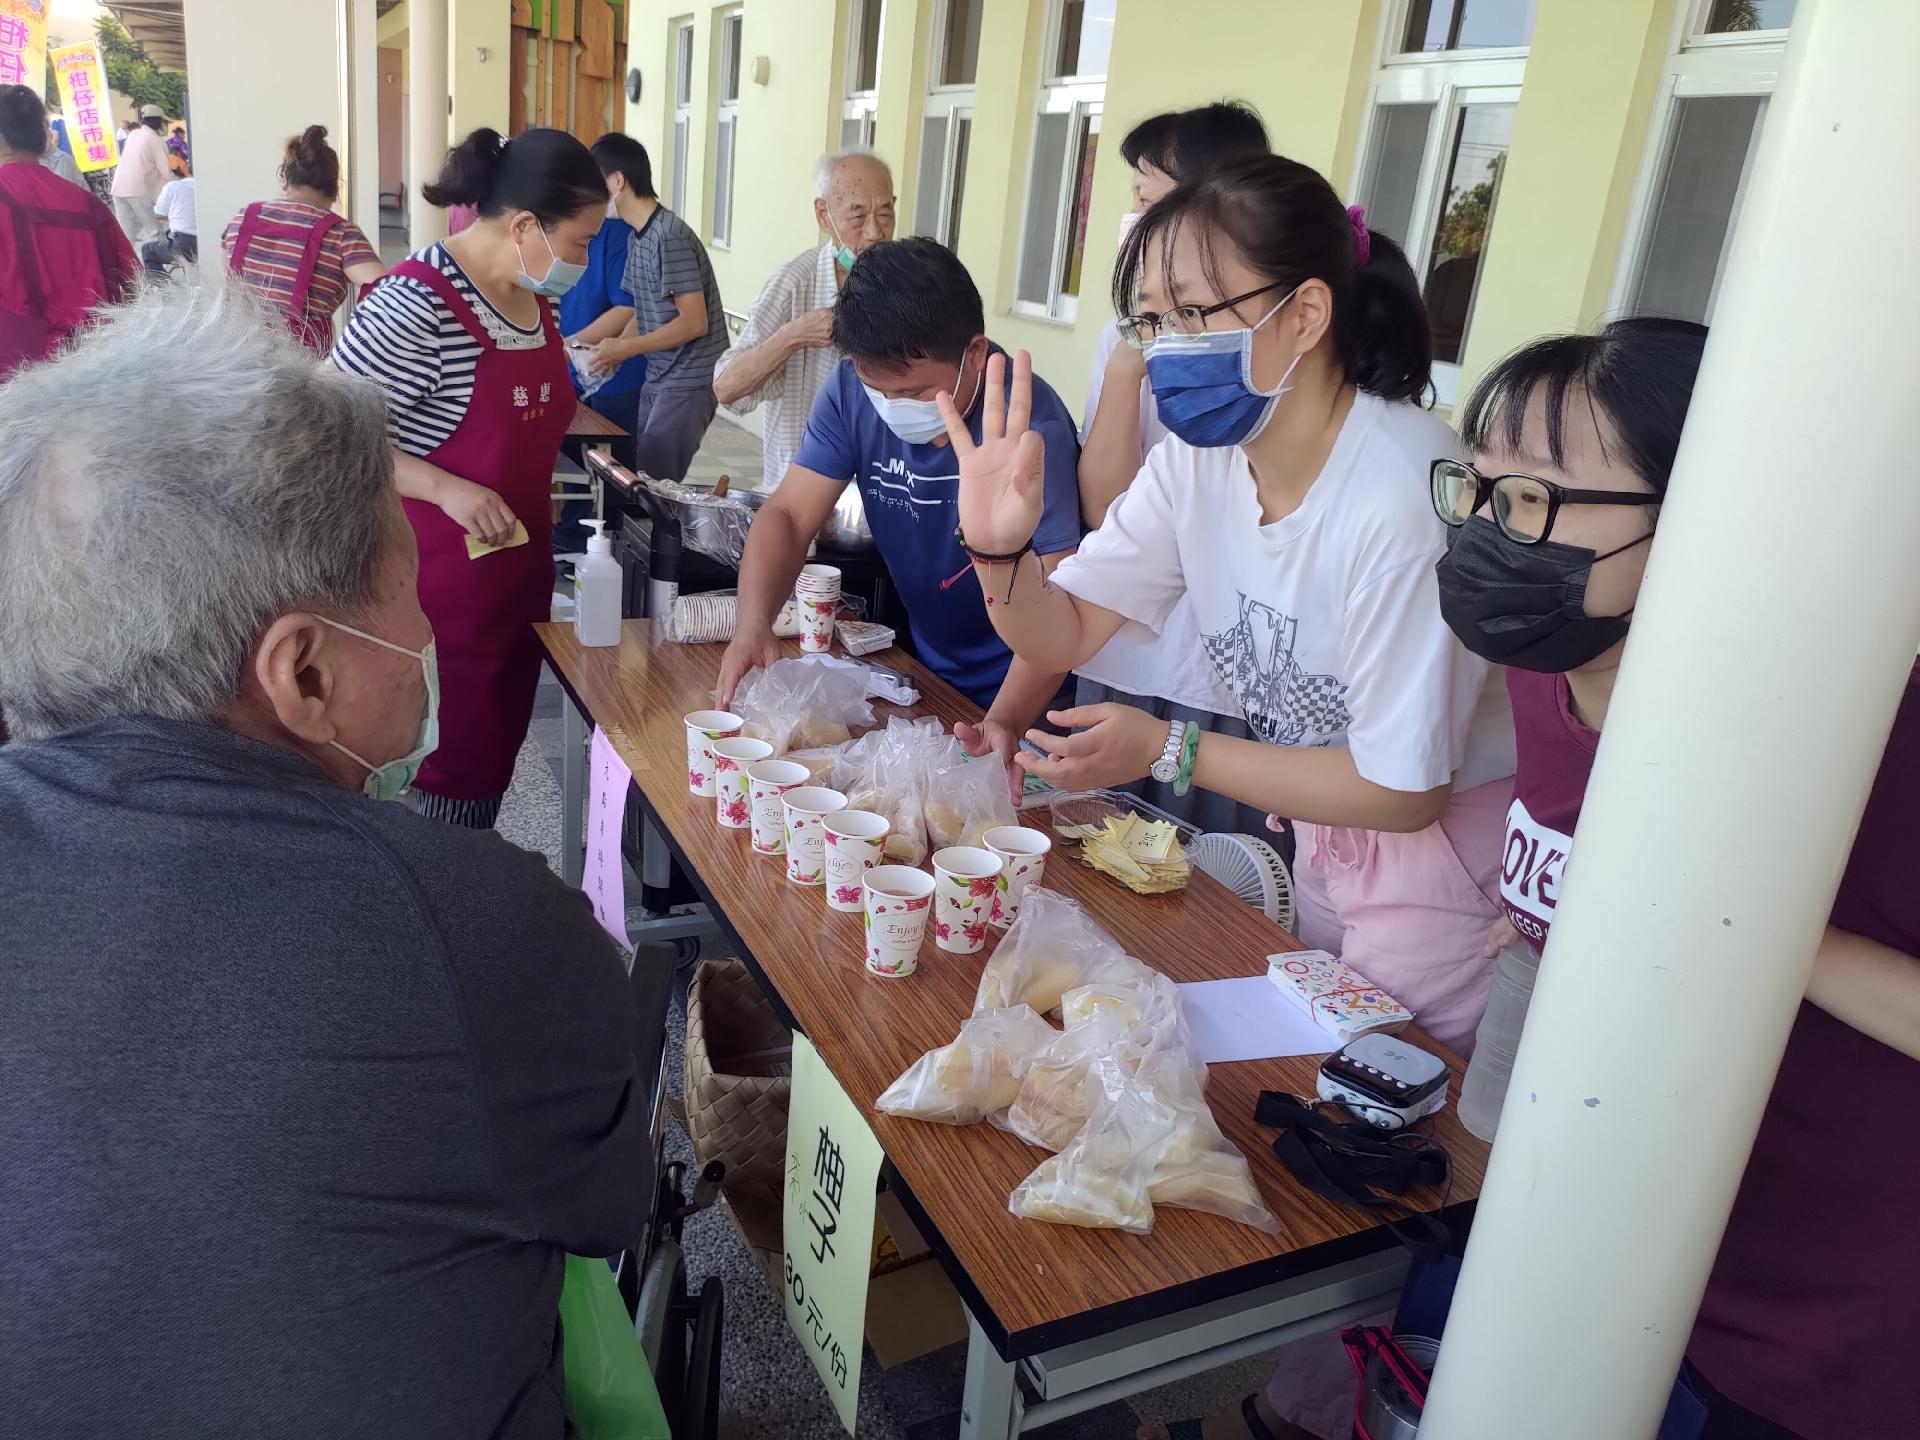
(88, 108)
(23, 43)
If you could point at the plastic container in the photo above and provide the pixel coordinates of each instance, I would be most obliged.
(1484, 1090)
(597, 585)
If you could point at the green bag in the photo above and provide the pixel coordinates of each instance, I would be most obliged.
(610, 1390)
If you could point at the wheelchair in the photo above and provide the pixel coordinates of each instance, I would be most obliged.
(680, 1330)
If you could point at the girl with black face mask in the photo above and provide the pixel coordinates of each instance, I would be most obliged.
(1806, 1326)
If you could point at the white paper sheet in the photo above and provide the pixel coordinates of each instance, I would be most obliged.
(1248, 1019)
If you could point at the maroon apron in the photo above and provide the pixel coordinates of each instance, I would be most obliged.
(483, 611)
(313, 331)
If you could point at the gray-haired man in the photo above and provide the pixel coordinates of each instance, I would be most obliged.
(786, 352)
(303, 1097)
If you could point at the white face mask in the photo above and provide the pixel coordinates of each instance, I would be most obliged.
(918, 422)
(1128, 219)
(391, 780)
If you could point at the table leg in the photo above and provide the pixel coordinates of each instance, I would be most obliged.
(573, 793)
(990, 1405)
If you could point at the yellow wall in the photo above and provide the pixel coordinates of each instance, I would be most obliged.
(1578, 136)
(479, 86)
(1593, 74)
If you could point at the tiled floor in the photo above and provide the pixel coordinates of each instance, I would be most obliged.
(769, 1389)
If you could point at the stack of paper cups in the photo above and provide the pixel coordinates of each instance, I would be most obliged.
(855, 839)
(703, 728)
(965, 880)
(817, 596)
(731, 757)
(1023, 853)
(767, 781)
(898, 898)
(807, 808)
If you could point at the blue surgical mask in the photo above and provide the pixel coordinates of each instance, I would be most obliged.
(1203, 384)
(918, 422)
(561, 276)
(389, 781)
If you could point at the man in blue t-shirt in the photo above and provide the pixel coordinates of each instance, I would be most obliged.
(911, 324)
(599, 306)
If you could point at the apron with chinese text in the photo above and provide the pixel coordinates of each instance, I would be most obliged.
(483, 610)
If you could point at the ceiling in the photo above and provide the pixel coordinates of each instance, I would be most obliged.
(159, 27)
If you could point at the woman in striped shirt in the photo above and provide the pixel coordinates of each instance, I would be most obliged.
(462, 340)
(295, 253)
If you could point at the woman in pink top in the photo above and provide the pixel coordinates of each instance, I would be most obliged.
(61, 252)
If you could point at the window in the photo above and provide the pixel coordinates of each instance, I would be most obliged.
(863, 72)
(682, 113)
(1440, 25)
(1066, 139)
(1713, 98)
(1438, 131)
(1736, 17)
(946, 127)
(726, 126)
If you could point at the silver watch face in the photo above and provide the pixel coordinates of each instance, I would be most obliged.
(1165, 770)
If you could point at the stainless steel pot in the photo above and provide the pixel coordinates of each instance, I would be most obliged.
(846, 528)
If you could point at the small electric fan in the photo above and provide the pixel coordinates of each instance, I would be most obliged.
(1251, 869)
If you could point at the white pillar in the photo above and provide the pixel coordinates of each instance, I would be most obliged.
(427, 102)
(1773, 638)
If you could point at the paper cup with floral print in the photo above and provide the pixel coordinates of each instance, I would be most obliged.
(817, 582)
(898, 900)
(807, 807)
(767, 781)
(816, 595)
(855, 839)
(1023, 853)
(964, 881)
(703, 728)
(731, 757)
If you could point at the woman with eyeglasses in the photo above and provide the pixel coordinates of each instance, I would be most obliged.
(1288, 351)
(1807, 1325)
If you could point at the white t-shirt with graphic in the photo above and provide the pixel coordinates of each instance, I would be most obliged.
(1325, 623)
(1173, 664)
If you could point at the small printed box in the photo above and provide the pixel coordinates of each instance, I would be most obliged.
(1342, 1001)
(862, 637)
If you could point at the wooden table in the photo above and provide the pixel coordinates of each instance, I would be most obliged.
(1081, 1310)
(591, 423)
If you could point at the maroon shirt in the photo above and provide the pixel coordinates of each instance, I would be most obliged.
(1812, 1311)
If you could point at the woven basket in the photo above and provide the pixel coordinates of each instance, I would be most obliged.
(739, 1060)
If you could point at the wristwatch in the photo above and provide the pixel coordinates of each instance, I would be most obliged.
(1167, 768)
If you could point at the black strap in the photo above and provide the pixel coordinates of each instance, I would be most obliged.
(1353, 1164)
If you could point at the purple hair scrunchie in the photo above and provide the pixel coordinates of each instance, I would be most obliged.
(1362, 238)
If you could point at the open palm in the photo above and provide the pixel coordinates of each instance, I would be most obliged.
(1002, 488)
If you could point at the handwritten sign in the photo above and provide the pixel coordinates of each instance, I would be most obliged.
(606, 877)
(83, 81)
(23, 43)
(833, 1169)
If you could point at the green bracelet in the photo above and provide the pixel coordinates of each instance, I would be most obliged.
(1189, 752)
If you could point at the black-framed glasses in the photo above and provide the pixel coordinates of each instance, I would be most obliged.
(1523, 506)
(1140, 331)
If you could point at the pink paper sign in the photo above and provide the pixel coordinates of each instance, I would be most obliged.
(605, 877)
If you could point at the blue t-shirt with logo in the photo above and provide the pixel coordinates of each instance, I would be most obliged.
(911, 493)
(597, 292)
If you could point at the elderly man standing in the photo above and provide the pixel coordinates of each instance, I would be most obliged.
(140, 176)
(303, 1097)
(786, 352)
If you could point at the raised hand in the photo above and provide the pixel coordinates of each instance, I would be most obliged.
(1002, 492)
